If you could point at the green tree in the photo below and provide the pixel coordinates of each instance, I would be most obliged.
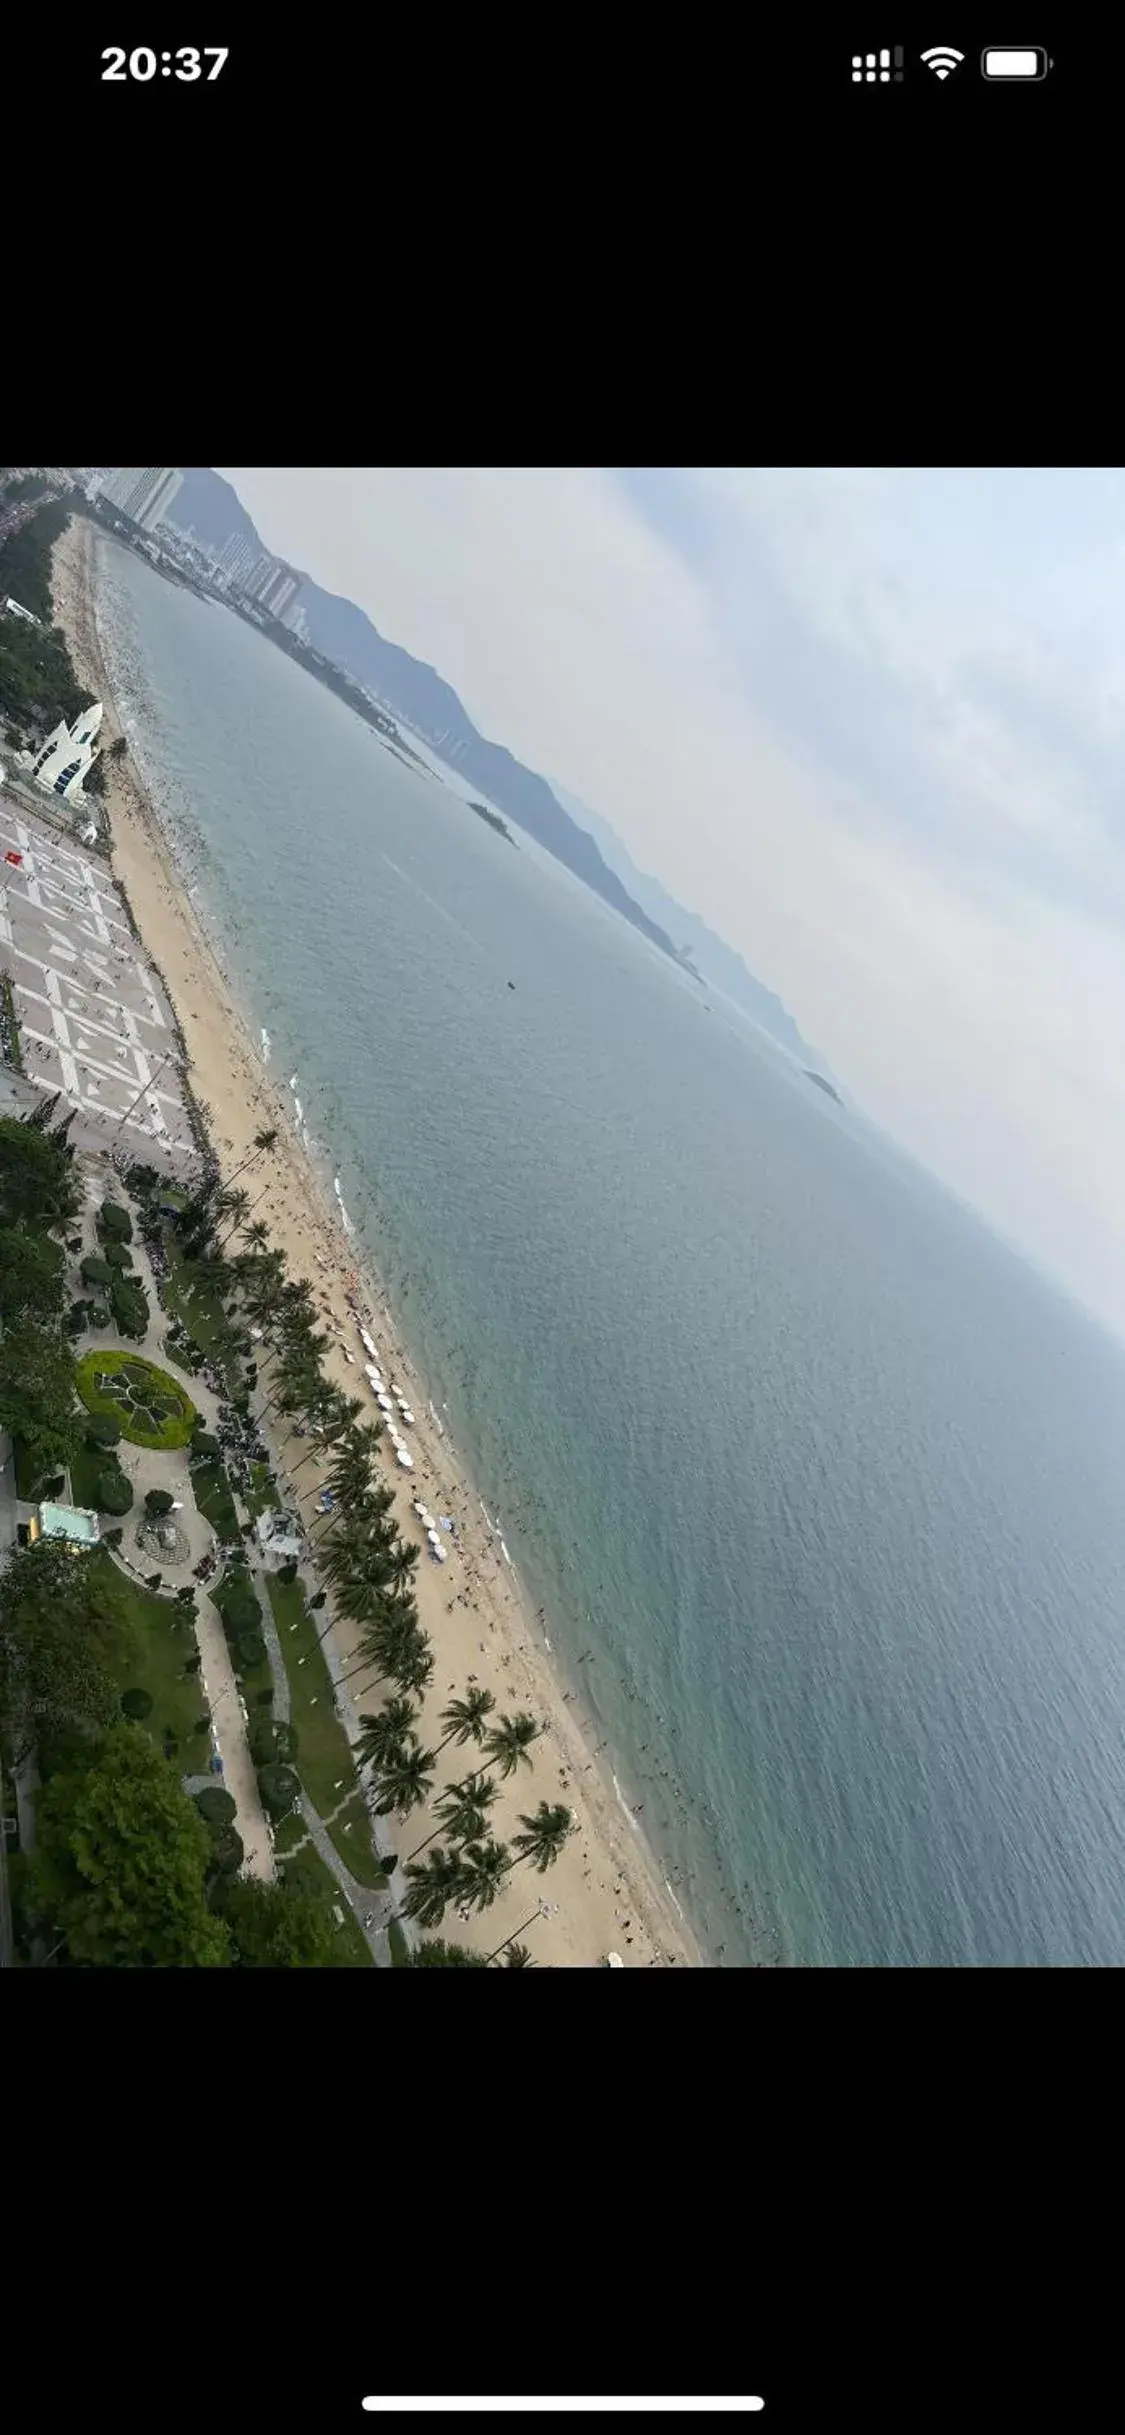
(63, 1640)
(275, 1927)
(509, 1743)
(405, 1781)
(37, 1181)
(121, 1861)
(465, 1718)
(432, 1885)
(37, 1393)
(484, 1868)
(31, 1276)
(384, 1735)
(544, 1835)
(463, 1810)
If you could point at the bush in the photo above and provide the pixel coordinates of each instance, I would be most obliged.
(239, 1607)
(216, 1806)
(158, 1500)
(101, 1431)
(137, 1704)
(54, 1486)
(153, 1580)
(227, 1850)
(265, 1698)
(96, 1271)
(113, 1538)
(203, 1446)
(129, 1305)
(317, 1601)
(74, 1242)
(114, 1492)
(76, 1318)
(288, 1570)
(115, 1221)
(99, 1314)
(170, 1744)
(248, 1651)
(279, 1788)
(117, 1256)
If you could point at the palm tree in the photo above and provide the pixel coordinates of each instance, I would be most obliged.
(485, 1866)
(257, 1235)
(413, 1670)
(517, 1957)
(404, 1783)
(463, 1809)
(238, 1203)
(509, 1743)
(434, 1884)
(263, 1142)
(465, 1717)
(544, 1835)
(384, 1735)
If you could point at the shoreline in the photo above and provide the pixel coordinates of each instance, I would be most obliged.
(607, 1891)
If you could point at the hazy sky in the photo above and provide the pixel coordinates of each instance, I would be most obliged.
(869, 724)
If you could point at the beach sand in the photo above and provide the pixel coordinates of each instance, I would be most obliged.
(606, 1891)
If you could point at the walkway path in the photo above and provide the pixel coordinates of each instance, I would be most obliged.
(366, 1901)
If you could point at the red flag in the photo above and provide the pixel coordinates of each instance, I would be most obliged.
(13, 857)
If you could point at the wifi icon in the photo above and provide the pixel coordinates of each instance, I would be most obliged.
(942, 59)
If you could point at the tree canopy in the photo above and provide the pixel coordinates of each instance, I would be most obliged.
(121, 1861)
(31, 1275)
(275, 1927)
(63, 1641)
(36, 1178)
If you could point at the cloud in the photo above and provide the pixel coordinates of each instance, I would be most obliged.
(869, 723)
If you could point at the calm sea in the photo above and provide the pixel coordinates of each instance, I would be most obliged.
(828, 1483)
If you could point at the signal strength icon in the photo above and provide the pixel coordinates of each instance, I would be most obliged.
(942, 59)
(874, 67)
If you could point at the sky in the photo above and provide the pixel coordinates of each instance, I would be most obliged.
(869, 723)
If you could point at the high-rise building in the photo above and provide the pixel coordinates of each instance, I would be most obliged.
(279, 593)
(144, 492)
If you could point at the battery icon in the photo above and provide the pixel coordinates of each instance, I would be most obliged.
(1027, 66)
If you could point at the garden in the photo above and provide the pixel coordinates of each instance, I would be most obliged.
(324, 1761)
(163, 1690)
(149, 1407)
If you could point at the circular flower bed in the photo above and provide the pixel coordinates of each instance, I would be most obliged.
(149, 1406)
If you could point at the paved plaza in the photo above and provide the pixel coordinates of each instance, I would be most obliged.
(94, 1021)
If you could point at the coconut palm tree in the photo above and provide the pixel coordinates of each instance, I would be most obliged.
(433, 1884)
(403, 1560)
(264, 1141)
(517, 1957)
(404, 1783)
(257, 1236)
(463, 1809)
(413, 1669)
(465, 1717)
(238, 1203)
(485, 1866)
(385, 1734)
(509, 1743)
(544, 1836)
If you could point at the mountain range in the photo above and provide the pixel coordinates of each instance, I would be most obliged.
(563, 825)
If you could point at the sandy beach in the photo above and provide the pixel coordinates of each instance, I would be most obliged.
(606, 1892)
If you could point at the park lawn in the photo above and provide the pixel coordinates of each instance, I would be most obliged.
(324, 1754)
(291, 1831)
(179, 1359)
(400, 1950)
(260, 1494)
(212, 1492)
(307, 1873)
(200, 1306)
(356, 1849)
(165, 1641)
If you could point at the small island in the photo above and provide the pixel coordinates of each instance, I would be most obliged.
(822, 1085)
(494, 821)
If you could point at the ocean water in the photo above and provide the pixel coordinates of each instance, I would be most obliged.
(827, 1481)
